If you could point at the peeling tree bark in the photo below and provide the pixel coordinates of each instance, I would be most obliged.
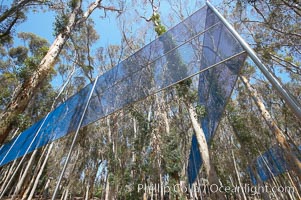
(291, 158)
(200, 138)
(25, 93)
(204, 150)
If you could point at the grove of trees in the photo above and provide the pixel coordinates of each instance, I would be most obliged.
(126, 154)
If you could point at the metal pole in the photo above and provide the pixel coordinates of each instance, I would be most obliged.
(288, 98)
(73, 142)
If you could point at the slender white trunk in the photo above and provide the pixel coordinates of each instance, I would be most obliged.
(161, 187)
(46, 189)
(161, 115)
(40, 173)
(149, 116)
(133, 152)
(8, 176)
(87, 192)
(294, 185)
(110, 132)
(20, 182)
(35, 173)
(66, 193)
(238, 177)
(63, 195)
(107, 188)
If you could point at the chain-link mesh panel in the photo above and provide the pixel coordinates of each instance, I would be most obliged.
(175, 56)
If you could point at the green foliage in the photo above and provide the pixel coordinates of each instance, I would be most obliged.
(200, 111)
(172, 154)
(155, 17)
(288, 59)
(144, 124)
(37, 46)
(72, 4)
(184, 91)
(8, 81)
(22, 121)
(31, 64)
(159, 27)
(9, 18)
(238, 121)
(19, 54)
(28, 59)
(60, 23)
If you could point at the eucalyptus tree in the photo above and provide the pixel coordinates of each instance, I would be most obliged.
(15, 13)
(67, 22)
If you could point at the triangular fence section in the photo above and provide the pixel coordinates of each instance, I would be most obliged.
(215, 84)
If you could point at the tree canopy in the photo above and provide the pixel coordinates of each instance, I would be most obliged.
(140, 150)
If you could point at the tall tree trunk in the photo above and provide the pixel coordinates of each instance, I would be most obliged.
(66, 193)
(38, 166)
(26, 91)
(8, 176)
(238, 177)
(24, 175)
(296, 191)
(200, 135)
(107, 189)
(204, 150)
(134, 152)
(92, 180)
(244, 150)
(162, 115)
(46, 189)
(87, 192)
(290, 156)
(63, 194)
(40, 173)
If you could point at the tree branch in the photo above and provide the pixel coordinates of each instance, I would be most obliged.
(88, 12)
(111, 8)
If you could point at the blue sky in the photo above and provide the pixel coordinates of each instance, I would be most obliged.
(41, 22)
(38, 23)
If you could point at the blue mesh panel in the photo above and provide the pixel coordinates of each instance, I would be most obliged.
(215, 85)
(177, 55)
(270, 163)
(64, 119)
(195, 160)
(215, 88)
